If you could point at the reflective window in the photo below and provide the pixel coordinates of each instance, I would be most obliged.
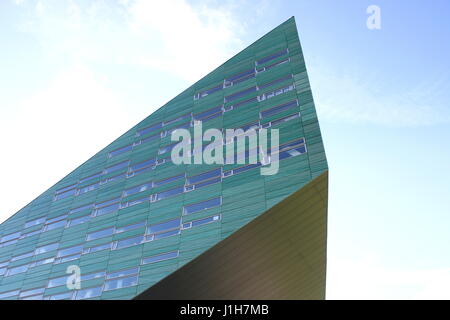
(169, 193)
(116, 167)
(94, 275)
(168, 180)
(205, 114)
(247, 167)
(46, 248)
(17, 270)
(273, 82)
(149, 129)
(106, 246)
(65, 189)
(88, 293)
(44, 261)
(10, 236)
(204, 176)
(200, 222)
(118, 177)
(88, 188)
(239, 94)
(210, 91)
(96, 175)
(65, 194)
(272, 56)
(129, 242)
(142, 165)
(107, 209)
(130, 227)
(171, 224)
(160, 257)
(100, 234)
(32, 233)
(79, 220)
(55, 225)
(69, 251)
(137, 189)
(122, 273)
(121, 150)
(166, 234)
(34, 222)
(137, 201)
(22, 256)
(85, 207)
(167, 148)
(121, 283)
(196, 207)
(242, 103)
(56, 282)
(185, 116)
(151, 138)
(58, 218)
(9, 294)
(31, 292)
(275, 122)
(62, 296)
(278, 109)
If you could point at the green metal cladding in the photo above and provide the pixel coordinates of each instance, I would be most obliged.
(121, 191)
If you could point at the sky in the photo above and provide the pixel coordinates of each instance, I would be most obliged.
(74, 75)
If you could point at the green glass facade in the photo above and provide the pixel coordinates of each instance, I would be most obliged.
(128, 217)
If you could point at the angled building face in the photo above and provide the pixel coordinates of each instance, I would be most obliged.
(130, 223)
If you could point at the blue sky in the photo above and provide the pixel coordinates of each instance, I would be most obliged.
(74, 75)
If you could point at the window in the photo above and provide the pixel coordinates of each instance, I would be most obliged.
(160, 257)
(10, 236)
(272, 56)
(209, 91)
(142, 165)
(196, 207)
(22, 256)
(69, 251)
(137, 201)
(122, 273)
(17, 270)
(88, 293)
(9, 294)
(116, 167)
(34, 222)
(46, 248)
(239, 94)
(151, 138)
(125, 243)
(164, 226)
(121, 283)
(100, 234)
(65, 194)
(165, 234)
(61, 296)
(292, 152)
(273, 65)
(277, 92)
(242, 103)
(94, 275)
(284, 119)
(271, 83)
(2, 271)
(206, 114)
(79, 220)
(280, 108)
(44, 261)
(149, 129)
(31, 292)
(168, 180)
(130, 227)
(106, 246)
(55, 225)
(107, 209)
(95, 175)
(200, 222)
(186, 116)
(167, 148)
(240, 77)
(62, 190)
(169, 193)
(29, 234)
(85, 207)
(56, 282)
(120, 150)
(137, 189)
(88, 188)
(204, 176)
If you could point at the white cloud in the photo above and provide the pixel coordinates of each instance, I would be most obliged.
(56, 130)
(369, 278)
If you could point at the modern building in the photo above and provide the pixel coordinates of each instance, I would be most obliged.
(132, 224)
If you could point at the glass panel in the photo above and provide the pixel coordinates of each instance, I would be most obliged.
(108, 209)
(80, 220)
(239, 94)
(94, 275)
(129, 242)
(166, 234)
(22, 256)
(10, 236)
(96, 175)
(118, 166)
(9, 294)
(121, 283)
(140, 188)
(171, 224)
(272, 56)
(100, 234)
(46, 248)
(56, 282)
(121, 150)
(88, 293)
(61, 296)
(204, 176)
(211, 203)
(17, 270)
(65, 194)
(31, 292)
(131, 227)
(143, 164)
(88, 188)
(164, 181)
(55, 225)
(150, 129)
(151, 138)
(122, 273)
(85, 207)
(169, 193)
(204, 114)
(69, 251)
(106, 246)
(278, 109)
(271, 83)
(205, 220)
(34, 222)
(160, 257)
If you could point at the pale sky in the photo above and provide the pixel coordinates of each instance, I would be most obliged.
(74, 75)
